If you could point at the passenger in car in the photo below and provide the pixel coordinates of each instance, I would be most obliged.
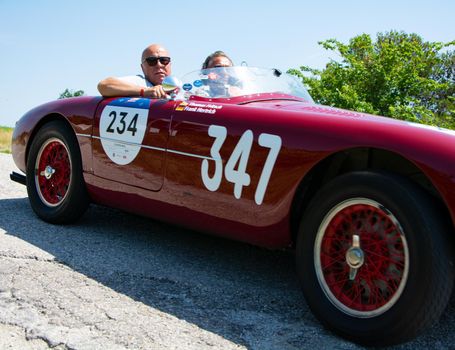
(155, 65)
(216, 60)
(221, 83)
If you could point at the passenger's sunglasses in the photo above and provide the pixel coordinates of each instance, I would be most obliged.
(152, 60)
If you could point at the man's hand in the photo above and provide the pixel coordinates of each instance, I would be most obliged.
(155, 92)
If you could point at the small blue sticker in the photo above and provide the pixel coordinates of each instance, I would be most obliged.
(187, 87)
(133, 102)
(197, 83)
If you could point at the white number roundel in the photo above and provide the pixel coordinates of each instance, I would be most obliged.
(122, 130)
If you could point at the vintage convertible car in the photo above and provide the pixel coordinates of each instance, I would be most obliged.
(367, 202)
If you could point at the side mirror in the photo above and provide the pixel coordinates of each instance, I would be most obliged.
(170, 84)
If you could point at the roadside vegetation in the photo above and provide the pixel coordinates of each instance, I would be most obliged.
(396, 75)
(71, 93)
(5, 139)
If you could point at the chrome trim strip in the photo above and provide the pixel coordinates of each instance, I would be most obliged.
(84, 135)
(156, 148)
(190, 154)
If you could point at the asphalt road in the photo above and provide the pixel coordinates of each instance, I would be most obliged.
(118, 281)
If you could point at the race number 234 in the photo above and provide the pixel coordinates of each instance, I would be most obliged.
(239, 157)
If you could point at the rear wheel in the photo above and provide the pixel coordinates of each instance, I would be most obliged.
(55, 184)
(374, 258)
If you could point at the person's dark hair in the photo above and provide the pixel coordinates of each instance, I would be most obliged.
(212, 56)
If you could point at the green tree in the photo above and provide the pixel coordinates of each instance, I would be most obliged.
(70, 93)
(399, 75)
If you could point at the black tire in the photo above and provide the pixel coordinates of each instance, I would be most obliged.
(55, 184)
(375, 258)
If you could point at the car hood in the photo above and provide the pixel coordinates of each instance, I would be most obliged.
(332, 112)
(300, 106)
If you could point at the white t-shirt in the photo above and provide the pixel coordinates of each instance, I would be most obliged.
(138, 80)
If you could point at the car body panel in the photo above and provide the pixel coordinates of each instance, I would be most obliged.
(165, 179)
(146, 170)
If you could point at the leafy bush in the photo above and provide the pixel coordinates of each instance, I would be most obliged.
(399, 75)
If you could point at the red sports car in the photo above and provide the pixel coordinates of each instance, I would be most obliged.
(368, 203)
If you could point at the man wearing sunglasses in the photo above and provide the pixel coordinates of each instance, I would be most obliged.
(155, 64)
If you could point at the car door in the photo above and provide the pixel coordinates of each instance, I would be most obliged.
(220, 160)
(129, 141)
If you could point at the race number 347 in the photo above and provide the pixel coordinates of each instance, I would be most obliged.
(235, 169)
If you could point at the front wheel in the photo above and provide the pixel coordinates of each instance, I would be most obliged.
(374, 258)
(55, 183)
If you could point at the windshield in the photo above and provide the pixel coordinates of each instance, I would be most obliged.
(227, 82)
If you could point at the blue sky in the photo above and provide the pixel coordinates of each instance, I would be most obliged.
(49, 45)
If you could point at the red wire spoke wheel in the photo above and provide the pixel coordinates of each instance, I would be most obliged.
(375, 258)
(53, 172)
(366, 278)
(55, 181)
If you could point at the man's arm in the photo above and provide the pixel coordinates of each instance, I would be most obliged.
(111, 86)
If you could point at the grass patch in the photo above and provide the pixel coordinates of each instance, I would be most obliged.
(6, 134)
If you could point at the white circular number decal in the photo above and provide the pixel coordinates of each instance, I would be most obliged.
(122, 130)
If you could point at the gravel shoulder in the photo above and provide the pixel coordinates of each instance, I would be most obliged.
(119, 281)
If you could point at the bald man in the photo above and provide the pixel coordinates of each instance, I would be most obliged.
(155, 64)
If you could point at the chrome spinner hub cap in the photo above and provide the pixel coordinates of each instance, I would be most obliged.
(355, 257)
(48, 172)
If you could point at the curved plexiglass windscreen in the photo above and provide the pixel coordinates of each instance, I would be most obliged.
(225, 82)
